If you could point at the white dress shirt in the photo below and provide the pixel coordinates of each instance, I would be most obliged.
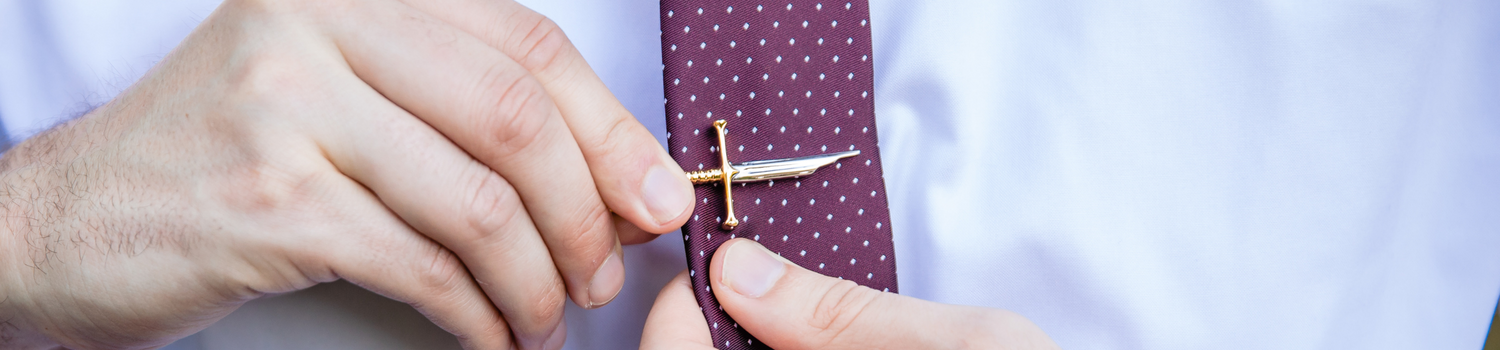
(1128, 175)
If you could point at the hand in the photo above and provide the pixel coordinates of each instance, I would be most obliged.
(457, 155)
(789, 307)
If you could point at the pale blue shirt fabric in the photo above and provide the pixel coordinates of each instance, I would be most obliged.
(1128, 175)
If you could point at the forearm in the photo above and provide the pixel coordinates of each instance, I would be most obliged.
(16, 192)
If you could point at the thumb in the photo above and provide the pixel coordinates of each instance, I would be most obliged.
(789, 307)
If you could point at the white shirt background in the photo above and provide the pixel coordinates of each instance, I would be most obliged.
(1127, 174)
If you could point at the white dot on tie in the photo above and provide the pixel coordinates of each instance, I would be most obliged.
(762, 42)
(809, 129)
(863, 22)
(870, 275)
(752, 96)
(811, 201)
(825, 148)
(788, 7)
(815, 234)
(877, 225)
(820, 266)
(678, 81)
(808, 94)
(768, 147)
(705, 80)
(719, 62)
(851, 113)
(778, 58)
(690, 63)
(825, 183)
(847, 5)
(856, 180)
(797, 147)
(861, 211)
(866, 130)
(729, 9)
(716, 27)
(835, 247)
(820, 42)
(841, 199)
(835, 130)
(735, 78)
(867, 243)
(804, 24)
(850, 41)
(820, 6)
(794, 76)
(781, 93)
(770, 220)
(882, 257)
(721, 96)
(693, 98)
(851, 261)
(799, 219)
(851, 76)
(783, 202)
(835, 24)
(830, 216)
(674, 47)
(686, 29)
(866, 58)
(872, 193)
(759, 7)
(835, 93)
(776, 24)
(700, 10)
(669, 14)
(822, 112)
(749, 59)
(847, 229)
(803, 253)
(702, 45)
(806, 59)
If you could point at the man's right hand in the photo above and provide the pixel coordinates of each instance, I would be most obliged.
(457, 155)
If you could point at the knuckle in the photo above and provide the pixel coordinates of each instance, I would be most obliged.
(840, 306)
(513, 108)
(549, 306)
(444, 275)
(542, 46)
(494, 207)
(589, 237)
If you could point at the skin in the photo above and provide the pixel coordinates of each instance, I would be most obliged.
(456, 155)
(794, 308)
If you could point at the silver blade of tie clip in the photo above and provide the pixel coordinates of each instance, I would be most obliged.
(772, 169)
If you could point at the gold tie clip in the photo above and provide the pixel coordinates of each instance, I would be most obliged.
(760, 170)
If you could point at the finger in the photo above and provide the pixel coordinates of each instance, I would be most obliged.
(380, 253)
(629, 233)
(789, 307)
(493, 109)
(676, 321)
(439, 190)
(635, 176)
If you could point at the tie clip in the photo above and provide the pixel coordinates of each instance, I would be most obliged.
(759, 170)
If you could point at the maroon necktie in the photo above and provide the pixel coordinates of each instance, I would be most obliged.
(791, 79)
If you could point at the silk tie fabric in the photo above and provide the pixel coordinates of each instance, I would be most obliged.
(792, 79)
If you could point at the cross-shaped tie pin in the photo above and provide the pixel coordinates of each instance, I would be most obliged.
(759, 170)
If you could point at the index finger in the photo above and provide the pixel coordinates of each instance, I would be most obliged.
(634, 174)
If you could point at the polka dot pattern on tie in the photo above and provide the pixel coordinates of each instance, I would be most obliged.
(792, 79)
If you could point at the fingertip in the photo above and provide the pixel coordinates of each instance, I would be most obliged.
(668, 196)
(607, 282)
